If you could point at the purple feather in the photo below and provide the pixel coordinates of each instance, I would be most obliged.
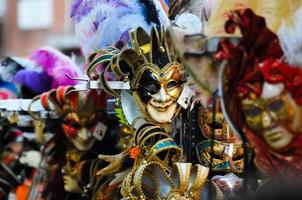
(56, 65)
(81, 8)
(38, 82)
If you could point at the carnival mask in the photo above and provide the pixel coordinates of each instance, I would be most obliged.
(158, 91)
(228, 154)
(275, 116)
(69, 172)
(219, 127)
(226, 157)
(156, 78)
(80, 131)
(81, 114)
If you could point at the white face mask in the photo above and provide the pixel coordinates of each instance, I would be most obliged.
(84, 140)
(157, 92)
(162, 107)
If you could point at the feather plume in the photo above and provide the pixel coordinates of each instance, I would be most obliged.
(275, 12)
(56, 65)
(194, 7)
(37, 82)
(219, 16)
(101, 23)
(290, 36)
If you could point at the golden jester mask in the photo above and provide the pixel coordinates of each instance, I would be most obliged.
(156, 78)
(228, 151)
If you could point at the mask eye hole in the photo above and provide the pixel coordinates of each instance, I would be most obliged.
(151, 88)
(252, 111)
(74, 125)
(238, 157)
(276, 105)
(171, 84)
(215, 125)
(216, 156)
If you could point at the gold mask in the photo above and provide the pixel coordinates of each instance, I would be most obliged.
(277, 119)
(226, 157)
(157, 91)
(69, 171)
(228, 153)
(156, 78)
(219, 128)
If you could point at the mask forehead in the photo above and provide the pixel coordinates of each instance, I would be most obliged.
(173, 72)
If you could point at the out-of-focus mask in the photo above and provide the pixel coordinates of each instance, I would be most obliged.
(70, 176)
(275, 115)
(81, 113)
(264, 101)
(228, 152)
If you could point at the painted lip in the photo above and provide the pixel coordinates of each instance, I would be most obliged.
(273, 136)
(161, 107)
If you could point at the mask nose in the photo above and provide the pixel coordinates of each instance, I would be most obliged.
(162, 96)
(267, 121)
(83, 134)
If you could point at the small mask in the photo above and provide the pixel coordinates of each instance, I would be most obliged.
(220, 127)
(80, 112)
(228, 153)
(70, 175)
(226, 157)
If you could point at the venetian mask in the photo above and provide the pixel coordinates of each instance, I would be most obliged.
(226, 157)
(228, 153)
(81, 114)
(80, 131)
(158, 91)
(156, 78)
(275, 116)
(219, 127)
(69, 172)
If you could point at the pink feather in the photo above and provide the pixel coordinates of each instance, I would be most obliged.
(56, 65)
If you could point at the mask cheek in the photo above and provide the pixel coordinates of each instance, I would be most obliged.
(69, 131)
(144, 95)
(174, 93)
(254, 122)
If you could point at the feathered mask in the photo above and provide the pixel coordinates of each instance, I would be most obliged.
(262, 92)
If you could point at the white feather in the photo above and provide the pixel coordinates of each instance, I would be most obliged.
(116, 20)
(119, 177)
(191, 23)
(290, 37)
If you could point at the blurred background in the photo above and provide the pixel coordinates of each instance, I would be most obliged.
(26, 25)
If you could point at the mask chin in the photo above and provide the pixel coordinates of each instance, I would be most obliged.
(83, 141)
(278, 138)
(71, 185)
(162, 115)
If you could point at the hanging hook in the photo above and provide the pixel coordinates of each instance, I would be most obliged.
(76, 78)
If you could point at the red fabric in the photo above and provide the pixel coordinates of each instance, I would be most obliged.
(276, 71)
(287, 164)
